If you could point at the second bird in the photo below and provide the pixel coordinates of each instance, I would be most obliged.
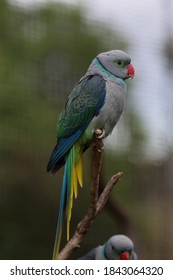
(118, 247)
(96, 102)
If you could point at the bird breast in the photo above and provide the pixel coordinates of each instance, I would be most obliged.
(113, 106)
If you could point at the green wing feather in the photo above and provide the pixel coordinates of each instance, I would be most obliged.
(83, 104)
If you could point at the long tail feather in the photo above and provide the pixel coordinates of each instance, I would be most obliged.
(60, 215)
(72, 178)
(79, 170)
(75, 179)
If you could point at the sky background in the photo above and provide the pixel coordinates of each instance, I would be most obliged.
(146, 25)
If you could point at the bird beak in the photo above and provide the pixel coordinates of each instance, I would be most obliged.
(130, 70)
(124, 256)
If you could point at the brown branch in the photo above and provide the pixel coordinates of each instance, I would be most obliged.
(106, 191)
(96, 202)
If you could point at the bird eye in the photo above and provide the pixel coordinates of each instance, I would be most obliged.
(119, 62)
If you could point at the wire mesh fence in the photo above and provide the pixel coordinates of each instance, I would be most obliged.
(44, 51)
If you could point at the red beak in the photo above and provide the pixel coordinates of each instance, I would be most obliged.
(124, 256)
(131, 70)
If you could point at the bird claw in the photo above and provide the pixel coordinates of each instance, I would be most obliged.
(100, 133)
(100, 150)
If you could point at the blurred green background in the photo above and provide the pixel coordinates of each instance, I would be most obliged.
(44, 50)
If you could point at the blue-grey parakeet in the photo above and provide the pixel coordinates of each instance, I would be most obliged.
(96, 102)
(118, 247)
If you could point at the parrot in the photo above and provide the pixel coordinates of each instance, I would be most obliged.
(96, 102)
(118, 247)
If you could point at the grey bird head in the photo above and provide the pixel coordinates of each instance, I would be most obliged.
(117, 62)
(119, 247)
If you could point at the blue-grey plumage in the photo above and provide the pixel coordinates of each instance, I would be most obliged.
(118, 247)
(113, 107)
(112, 66)
(96, 102)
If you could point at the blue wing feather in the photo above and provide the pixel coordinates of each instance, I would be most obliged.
(61, 148)
(91, 89)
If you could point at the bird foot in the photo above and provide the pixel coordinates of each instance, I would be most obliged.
(100, 133)
(98, 149)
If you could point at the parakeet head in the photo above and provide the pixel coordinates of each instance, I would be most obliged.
(119, 247)
(118, 63)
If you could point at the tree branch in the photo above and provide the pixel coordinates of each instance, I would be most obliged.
(96, 202)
